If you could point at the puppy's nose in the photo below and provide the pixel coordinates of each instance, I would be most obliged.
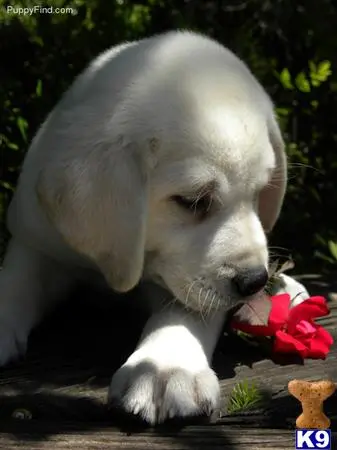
(251, 281)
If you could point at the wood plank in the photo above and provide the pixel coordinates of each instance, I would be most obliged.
(213, 437)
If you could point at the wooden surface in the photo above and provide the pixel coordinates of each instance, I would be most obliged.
(62, 385)
(213, 437)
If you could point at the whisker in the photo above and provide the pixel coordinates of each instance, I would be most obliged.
(200, 306)
(211, 304)
(169, 304)
(216, 309)
(189, 291)
(300, 165)
(206, 297)
(276, 255)
(273, 247)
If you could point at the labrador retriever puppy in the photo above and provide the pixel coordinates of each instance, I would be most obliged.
(163, 166)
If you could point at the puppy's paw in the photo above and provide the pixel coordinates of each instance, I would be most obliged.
(298, 293)
(13, 344)
(156, 393)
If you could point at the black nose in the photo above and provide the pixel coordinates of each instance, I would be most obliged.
(251, 281)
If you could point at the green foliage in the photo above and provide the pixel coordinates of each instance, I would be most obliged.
(333, 249)
(290, 46)
(285, 79)
(318, 74)
(243, 397)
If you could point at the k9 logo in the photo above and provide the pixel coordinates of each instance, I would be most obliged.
(313, 439)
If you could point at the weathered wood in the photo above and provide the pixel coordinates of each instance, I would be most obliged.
(71, 358)
(213, 437)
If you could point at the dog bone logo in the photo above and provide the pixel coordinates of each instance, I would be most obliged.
(312, 394)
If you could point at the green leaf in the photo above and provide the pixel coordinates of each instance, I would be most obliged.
(88, 22)
(38, 89)
(12, 146)
(37, 40)
(22, 125)
(319, 73)
(284, 112)
(7, 186)
(324, 70)
(324, 257)
(6, 141)
(333, 248)
(285, 79)
(312, 67)
(302, 83)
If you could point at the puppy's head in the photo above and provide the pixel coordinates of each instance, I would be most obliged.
(206, 238)
(195, 178)
(217, 186)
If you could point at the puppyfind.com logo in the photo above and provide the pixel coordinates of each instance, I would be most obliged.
(312, 439)
(39, 9)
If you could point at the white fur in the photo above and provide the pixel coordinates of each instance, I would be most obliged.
(174, 115)
(169, 374)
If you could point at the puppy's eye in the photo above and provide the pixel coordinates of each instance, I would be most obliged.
(197, 205)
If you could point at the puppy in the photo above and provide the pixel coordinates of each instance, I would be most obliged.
(162, 166)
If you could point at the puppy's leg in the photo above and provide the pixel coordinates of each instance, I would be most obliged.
(169, 374)
(28, 282)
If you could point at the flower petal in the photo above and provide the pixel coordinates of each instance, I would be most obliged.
(318, 349)
(285, 343)
(324, 334)
(279, 312)
(320, 346)
(305, 327)
(307, 310)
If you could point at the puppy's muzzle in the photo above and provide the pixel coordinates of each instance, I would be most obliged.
(251, 281)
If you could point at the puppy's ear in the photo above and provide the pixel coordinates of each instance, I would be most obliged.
(271, 197)
(98, 203)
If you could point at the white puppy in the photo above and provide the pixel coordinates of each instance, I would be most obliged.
(162, 165)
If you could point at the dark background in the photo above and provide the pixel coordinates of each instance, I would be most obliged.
(290, 45)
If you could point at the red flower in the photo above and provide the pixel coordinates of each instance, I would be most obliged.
(294, 329)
